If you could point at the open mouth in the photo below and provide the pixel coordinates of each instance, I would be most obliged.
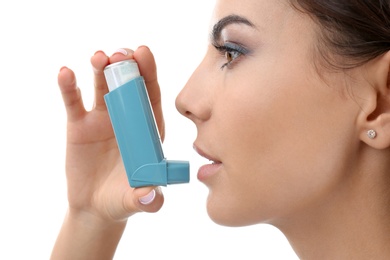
(206, 172)
(205, 155)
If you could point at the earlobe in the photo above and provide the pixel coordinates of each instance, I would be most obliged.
(375, 116)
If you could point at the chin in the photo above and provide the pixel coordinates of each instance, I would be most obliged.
(224, 214)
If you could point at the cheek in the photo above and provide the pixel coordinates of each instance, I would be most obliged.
(238, 120)
(278, 148)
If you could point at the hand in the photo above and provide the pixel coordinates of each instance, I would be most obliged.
(96, 179)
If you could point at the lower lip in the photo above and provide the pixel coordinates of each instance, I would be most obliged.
(207, 171)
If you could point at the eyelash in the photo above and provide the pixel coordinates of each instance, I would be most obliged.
(234, 50)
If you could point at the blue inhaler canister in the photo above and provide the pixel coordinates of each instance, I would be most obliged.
(135, 129)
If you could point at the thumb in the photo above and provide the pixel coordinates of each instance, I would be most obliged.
(148, 199)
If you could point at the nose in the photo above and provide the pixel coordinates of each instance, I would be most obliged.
(195, 99)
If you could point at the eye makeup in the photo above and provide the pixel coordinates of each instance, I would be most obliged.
(231, 52)
(227, 37)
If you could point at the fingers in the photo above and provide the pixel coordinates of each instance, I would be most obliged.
(71, 94)
(99, 60)
(148, 70)
(122, 54)
(147, 66)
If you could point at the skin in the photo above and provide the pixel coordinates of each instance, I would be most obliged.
(290, 140)
(287, 136)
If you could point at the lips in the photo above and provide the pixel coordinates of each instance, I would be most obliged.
(206, 172)
(205, 155)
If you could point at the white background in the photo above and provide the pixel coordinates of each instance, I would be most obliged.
(37, 39)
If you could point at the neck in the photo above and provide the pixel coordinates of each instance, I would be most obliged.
(352, 222)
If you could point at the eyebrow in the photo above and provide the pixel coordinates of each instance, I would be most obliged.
(225, 21)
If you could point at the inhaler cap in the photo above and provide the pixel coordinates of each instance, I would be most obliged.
(120, 73)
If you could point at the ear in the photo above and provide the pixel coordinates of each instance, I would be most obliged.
(375, 114)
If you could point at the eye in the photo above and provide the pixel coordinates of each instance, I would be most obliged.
(231, 52)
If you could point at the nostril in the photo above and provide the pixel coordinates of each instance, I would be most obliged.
(187, 113)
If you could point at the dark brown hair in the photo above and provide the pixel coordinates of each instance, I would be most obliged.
(356, 31)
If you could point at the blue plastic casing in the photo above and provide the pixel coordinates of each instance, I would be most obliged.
(136, 132)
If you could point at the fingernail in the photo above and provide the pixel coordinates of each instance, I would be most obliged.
(123, 51)
(147, 199)
(99, 51)
(143, 46)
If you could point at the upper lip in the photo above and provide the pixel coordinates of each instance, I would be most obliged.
(205, 155)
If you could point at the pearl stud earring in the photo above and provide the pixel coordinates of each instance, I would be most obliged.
(371, 134)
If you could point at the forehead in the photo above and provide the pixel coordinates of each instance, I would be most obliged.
(277, 22)
(262, 13)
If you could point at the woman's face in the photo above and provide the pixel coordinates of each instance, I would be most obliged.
(277, 133)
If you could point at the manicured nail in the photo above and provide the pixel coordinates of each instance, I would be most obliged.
(99, 51)
(123, 51)
(147, 199)
(143, 46)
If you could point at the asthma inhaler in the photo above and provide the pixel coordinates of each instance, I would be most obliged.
(135, 129)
